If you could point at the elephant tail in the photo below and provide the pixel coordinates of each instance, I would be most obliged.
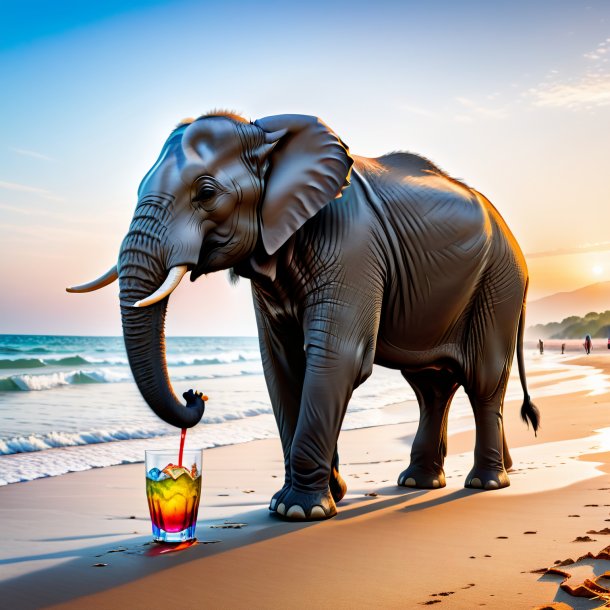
(529, 411)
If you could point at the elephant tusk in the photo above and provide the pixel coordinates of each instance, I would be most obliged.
(169, 285)
(110, 276)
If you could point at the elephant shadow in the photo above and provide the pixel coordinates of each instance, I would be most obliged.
(135, 557)
(444, 499)
(394, 496)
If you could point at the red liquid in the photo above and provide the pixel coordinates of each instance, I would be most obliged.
(182, 439)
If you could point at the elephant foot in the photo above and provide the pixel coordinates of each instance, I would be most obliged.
(480, 478)
(276, 496)
(420, 478)
(337, 485)
(294, 505)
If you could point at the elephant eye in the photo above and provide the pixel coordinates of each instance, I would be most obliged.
(205, 193)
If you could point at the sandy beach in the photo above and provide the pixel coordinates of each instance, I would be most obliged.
(389, 547)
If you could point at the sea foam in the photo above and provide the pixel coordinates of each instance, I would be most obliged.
(29, 383)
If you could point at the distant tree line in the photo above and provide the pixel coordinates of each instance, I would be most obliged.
(595, 324)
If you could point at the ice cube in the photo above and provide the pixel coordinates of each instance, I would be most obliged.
(174, 471)
(154, 474)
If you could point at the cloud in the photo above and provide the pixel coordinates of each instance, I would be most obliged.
(31, 153)
(590, 89)
(12, 208)
(419, 111)
(13, 186)
(39, 231)
(482, 111)
(600, 53)
(582, 249)
(593, 90)
(36, 212)
(468, 111)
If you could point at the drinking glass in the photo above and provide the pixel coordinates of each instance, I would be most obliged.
(173, 493)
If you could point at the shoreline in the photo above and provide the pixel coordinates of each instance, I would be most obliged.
(66, 452)
(398, 548)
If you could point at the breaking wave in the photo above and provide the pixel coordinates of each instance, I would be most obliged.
(30, 383)
(30, 363)
(53, 440)
(37, 383)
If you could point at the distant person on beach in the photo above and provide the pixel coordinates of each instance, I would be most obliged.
(587, 344)
(608, 342)
(563, 348)
(541, 346)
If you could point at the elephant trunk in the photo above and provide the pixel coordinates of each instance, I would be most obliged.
(141, 272)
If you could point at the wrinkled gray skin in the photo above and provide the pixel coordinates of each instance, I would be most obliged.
(389, 261)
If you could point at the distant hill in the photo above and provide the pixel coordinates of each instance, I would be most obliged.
(597, 325)
(592, 298)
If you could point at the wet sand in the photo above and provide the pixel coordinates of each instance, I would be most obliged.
(389, 547)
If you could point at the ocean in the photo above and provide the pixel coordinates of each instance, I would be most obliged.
(70, 403)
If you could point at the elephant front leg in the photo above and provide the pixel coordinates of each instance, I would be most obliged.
(329, 382)
(283, 361)
(434, 390)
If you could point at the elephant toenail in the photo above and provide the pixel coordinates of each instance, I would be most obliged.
(296, 511)
(476, 482)
(410, 482)
(435, 484)
(491, 485)
(281, 508)
(317, 512)
(272, 504)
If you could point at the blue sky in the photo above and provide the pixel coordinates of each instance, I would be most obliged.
(513, 97)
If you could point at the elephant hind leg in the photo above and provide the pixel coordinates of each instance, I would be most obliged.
(491, 338)
(491, 455)
(434, 390)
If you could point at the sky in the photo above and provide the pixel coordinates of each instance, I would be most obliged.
(511, 96)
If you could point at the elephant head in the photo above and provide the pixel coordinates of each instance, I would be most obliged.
(222, 191)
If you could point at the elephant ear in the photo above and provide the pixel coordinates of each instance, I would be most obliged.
(308, 167)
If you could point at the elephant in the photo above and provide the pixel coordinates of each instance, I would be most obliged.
(352, 261)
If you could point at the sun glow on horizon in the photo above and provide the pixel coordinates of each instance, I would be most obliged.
(597, 269)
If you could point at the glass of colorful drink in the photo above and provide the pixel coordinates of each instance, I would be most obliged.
(173, 492)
